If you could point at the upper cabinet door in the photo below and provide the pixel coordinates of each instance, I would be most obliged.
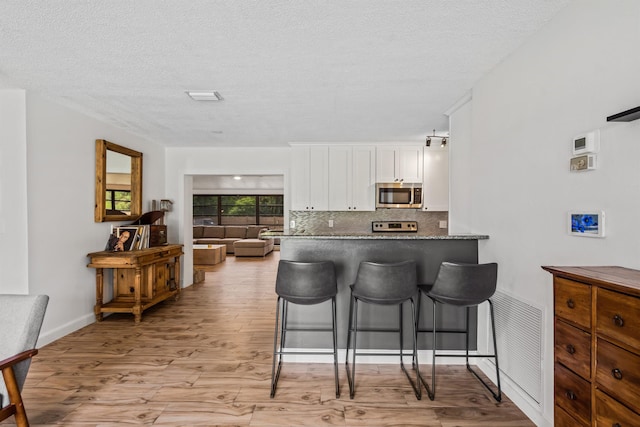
(411, 163)
(340, 177)
(309, 178)
(435, 192)
(386, 164)
(364, 178)
(299, 178)
(399, 163)
(318, 178)
(351, 178)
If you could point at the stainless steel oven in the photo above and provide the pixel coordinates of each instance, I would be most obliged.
(398, 195)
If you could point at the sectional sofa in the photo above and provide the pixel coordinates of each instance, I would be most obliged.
(240, 240)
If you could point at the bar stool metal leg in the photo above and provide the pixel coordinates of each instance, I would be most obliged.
(277, 351)
(416, 329)
(353, 328)
(416, 365)
(335, 346)
(346, 359)
(497, 396)
(431, 390)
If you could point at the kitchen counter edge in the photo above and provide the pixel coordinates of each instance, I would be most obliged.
(380, 237)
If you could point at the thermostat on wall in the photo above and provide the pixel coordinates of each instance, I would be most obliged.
(581, 163)
(588, 142)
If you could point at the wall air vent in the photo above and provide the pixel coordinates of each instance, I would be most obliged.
(519, 336)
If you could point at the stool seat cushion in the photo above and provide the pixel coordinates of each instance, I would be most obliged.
(385, 283)
(464, 284)
(306, 282)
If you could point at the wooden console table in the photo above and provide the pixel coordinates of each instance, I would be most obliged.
(141, 279)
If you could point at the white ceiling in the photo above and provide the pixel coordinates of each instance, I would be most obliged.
(289, 70)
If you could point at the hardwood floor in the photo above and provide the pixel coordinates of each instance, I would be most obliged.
(206, 360)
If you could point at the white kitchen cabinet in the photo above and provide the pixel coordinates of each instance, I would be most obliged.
(352, 178)
(399, 163)
(309, 178)
(435, 191)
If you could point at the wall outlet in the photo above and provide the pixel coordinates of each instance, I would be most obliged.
(330, 223)
(292, 224)
(443, 224)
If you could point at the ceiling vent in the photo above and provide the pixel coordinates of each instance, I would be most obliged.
(205, 95)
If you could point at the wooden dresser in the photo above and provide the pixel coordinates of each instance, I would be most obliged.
(141, 278)
(597, 346)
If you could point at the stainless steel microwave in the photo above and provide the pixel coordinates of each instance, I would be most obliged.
(398, 195)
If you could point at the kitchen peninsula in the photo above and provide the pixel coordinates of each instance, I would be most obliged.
(348, 250)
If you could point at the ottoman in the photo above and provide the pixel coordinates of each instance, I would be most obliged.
(253, 247)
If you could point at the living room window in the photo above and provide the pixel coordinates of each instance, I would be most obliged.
(215, 209)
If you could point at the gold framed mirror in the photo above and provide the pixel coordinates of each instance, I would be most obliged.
(118, 182)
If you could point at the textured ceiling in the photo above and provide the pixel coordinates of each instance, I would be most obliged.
(289, 71)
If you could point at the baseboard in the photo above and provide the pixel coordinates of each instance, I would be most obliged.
(50, 336)
(423, 356)
(531, 408)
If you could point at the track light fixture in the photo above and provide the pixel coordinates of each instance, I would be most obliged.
(443, 142)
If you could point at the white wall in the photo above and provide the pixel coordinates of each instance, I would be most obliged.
(60, 160)
(14, 274)
(577, 71)
(183, 163)
(460, 148)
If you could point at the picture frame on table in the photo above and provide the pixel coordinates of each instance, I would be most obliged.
(127, 238)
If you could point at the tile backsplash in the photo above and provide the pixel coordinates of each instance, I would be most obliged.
(317, 223)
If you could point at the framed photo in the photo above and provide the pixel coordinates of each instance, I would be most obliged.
(586, 223)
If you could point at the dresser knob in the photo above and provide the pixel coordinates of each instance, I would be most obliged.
(619, 321)
(571, 349)
(570, 303)
(616, 425)
(570, 395)
(617, 373)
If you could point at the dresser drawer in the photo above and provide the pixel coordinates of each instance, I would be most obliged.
(609, 412)
(573, 348)
(618, 373)
(618, 317)
(573, 301)
(573, 394)
(562, 419)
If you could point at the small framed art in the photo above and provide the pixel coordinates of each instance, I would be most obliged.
(586, 223)
(127, 237)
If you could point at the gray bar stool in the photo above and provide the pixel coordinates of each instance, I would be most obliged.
(463, 285)
(383, 284)
(304, 283)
